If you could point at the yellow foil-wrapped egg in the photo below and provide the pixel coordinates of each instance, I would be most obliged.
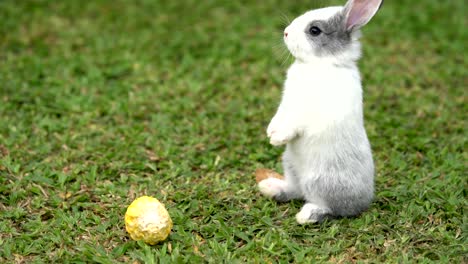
(147, 219)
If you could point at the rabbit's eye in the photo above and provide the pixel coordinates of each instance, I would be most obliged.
(315, 31)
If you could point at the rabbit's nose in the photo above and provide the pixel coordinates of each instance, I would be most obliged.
(285, 34)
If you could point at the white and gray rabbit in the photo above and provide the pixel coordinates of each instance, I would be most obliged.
(328, 160)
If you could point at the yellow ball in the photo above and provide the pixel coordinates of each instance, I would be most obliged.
(147, 219)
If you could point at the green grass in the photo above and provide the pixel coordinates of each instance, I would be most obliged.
(105, 101)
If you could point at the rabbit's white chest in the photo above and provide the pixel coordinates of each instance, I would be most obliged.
(319, 96)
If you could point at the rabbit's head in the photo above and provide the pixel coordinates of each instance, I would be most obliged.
(331, 32)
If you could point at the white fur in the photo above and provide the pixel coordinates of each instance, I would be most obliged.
(315, 96)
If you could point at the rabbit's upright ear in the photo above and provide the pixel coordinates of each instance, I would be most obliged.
(359, 12)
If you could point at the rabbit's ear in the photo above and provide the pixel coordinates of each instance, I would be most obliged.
(359, 12)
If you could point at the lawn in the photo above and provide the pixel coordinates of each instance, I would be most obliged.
(105, 101)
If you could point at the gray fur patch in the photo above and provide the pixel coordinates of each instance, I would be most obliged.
(320, 216)
(334, 38)
(282, 197)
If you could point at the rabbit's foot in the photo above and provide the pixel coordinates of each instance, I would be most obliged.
(272, 187)
(312, 213)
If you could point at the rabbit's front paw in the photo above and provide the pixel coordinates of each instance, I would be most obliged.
(279, 136)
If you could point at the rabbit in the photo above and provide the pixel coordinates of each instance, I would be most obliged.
(328, 159)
